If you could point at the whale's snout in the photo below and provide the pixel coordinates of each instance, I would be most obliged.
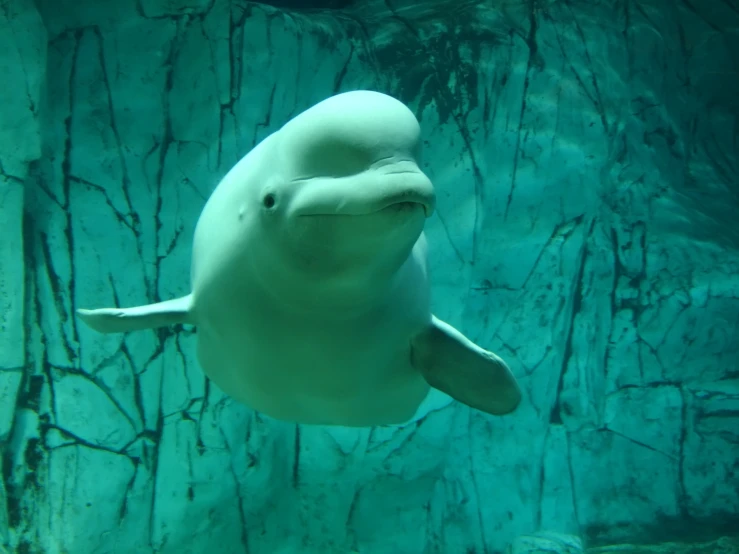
(415, 189)
(370, 192)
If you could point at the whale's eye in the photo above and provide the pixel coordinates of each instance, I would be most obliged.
(269, 201)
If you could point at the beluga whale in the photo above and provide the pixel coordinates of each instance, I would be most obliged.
(309, 285)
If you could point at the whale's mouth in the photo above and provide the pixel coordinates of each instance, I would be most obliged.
(389, 206)
(417, 190)
(366, 195)
(404, 206)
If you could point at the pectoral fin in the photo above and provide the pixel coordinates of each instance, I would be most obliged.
(121, 320)
(452, 363)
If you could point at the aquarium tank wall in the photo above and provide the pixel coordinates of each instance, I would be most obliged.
(585, 156)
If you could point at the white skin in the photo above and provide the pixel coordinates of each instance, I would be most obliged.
(328, 263)
(309, 281)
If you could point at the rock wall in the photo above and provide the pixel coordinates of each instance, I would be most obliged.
(22, 74)
(585, 155)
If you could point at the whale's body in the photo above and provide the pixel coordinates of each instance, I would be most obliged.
(309, 282)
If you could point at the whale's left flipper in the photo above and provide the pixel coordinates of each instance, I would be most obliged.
(452, 363)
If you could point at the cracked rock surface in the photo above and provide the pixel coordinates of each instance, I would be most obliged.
(586, 159)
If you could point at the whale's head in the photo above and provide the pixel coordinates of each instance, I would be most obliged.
(347, 199)
(335, 200)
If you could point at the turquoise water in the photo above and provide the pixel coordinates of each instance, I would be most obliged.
(584, 158)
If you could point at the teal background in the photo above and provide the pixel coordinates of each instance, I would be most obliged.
(586, 161)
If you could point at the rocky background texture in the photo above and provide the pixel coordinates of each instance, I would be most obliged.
(586, 157)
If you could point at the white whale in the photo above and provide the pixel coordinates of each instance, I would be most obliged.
(309, 283)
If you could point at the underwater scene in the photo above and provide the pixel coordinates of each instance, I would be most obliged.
(369, 277)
